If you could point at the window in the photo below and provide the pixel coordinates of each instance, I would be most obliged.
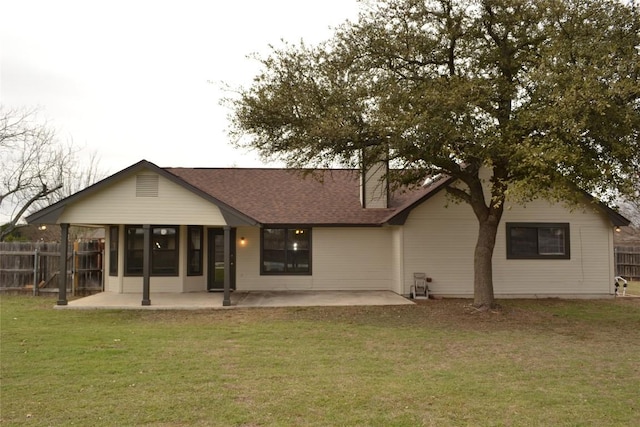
(164, 250)
(538, 241)
(135, 244)
(286, 251)
(113, 250)
(194, 251)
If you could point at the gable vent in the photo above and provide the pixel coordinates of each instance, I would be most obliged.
(147, 185)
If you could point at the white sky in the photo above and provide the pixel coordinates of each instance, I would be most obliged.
(140, 79)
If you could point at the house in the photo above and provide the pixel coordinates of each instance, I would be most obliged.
(193, 230)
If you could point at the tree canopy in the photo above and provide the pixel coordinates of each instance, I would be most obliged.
(544, 94)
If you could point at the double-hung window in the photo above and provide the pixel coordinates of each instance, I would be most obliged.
(286, 251)
(538, 240)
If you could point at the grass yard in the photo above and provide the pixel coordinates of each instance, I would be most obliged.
(439, 363)
(633, 288)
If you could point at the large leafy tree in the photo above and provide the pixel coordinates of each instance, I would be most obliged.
(542, 96)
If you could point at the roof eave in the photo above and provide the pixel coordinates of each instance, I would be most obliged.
(616, 219)
(231, 215)
(400, 217)
(50, 214)
(319, 224)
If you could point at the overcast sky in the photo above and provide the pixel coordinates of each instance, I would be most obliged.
(133, 79)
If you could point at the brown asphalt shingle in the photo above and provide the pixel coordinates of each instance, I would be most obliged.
(286, 196)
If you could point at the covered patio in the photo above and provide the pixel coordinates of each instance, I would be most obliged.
(214, 300)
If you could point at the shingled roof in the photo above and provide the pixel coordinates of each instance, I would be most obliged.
(282, 196)
(286, 196)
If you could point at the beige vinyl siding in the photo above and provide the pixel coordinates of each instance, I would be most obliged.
(586, 273)
(397, 254)
(113, 283)
(352, 258)
(440, 241)
(375, 186)
(156, 284)
(343, 258)
(195, 284)
(118, 204)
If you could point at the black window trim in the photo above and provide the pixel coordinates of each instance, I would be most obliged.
(286, 228)
(114, 240)
(127, 259)
(151, 272)
(538, 225)
(190, 271)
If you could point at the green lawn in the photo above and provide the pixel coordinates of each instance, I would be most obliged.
(633, 288)
(534, 363)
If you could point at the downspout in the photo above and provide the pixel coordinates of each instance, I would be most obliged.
(612, 263)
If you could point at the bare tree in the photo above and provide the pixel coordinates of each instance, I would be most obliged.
(80, 175)
(34, 166)
(631, 209)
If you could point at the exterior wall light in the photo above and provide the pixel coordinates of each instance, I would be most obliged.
(242, 241)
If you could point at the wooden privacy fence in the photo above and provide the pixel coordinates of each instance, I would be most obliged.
(628, 262)
(35, 267)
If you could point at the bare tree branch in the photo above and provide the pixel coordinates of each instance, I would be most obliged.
(35, 167)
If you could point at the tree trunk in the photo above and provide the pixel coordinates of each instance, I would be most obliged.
(489, 216)
(482, 266)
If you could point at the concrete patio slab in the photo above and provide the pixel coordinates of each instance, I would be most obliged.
(213, 300)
